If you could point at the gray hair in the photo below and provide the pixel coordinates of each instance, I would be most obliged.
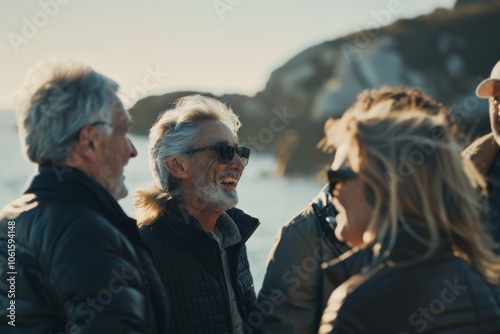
(173, 134)
(49, 121)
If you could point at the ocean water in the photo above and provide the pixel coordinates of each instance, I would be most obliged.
(274, 200)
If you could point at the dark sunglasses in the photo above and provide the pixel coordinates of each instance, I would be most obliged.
(225, 153)
(336, 176)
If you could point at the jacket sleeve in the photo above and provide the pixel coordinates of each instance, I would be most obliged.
(342, 324)
(95, 278)
(341, 313)
(291, 291)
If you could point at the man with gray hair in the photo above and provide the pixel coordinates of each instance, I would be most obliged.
(70, 259)
(187, 217)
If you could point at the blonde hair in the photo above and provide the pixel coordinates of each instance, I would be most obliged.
(402, 99)
(173, 134)
(414, 167)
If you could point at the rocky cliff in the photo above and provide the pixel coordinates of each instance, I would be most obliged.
(445, 53)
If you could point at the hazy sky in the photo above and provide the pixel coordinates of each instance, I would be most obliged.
(155, 46)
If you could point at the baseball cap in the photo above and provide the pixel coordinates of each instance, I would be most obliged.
(487, 87)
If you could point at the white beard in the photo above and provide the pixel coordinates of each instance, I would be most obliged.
(210, 195)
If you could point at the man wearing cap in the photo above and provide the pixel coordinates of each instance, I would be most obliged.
(485, 153)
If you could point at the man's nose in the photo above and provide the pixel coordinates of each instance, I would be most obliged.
(236, 163)
(133, 150)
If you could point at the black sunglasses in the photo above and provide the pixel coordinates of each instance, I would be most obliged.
(335, 176)
(225, 153)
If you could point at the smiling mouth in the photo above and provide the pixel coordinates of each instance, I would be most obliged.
(229, 182)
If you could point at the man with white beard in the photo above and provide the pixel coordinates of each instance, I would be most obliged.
(485, 151)
(187, 217)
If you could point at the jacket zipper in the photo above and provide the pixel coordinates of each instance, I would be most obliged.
(222, 279)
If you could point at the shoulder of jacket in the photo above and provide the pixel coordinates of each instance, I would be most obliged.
(239, 216)
(305, 220)
(304, 228)
(353, 293)
(482, 152)
(81, 225)
(159, 229)
(70, 225)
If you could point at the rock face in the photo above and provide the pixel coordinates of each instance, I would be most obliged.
(445, 53)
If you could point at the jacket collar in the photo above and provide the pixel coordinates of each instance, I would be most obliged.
(229, 233)
(322, 200)
(482, 152)
(65, 184)
(175, 211)
(245, 223)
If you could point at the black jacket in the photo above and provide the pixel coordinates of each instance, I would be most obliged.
(80, 264)
(442, 294)
(190, 266)
(294, 283)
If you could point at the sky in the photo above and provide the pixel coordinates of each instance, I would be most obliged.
(156, 46)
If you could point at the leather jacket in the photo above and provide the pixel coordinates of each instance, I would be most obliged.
(441, 294)
(295, 290)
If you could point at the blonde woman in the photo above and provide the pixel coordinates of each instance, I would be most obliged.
(403, 192)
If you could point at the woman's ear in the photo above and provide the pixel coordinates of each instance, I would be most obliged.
(177, 166)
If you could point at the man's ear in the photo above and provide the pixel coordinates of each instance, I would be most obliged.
(177, 166)
(84, 148)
